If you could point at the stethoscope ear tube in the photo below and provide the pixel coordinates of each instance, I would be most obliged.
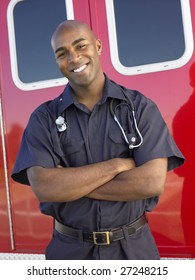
(132, 146)
(122, 130)
(131, 107)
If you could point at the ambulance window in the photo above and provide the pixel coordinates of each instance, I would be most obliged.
(148, 36)
(30, 26)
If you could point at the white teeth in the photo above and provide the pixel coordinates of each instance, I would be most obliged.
(80, 68)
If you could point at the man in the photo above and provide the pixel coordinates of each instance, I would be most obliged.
(75, 156)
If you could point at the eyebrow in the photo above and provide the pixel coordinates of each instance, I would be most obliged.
(73, 44)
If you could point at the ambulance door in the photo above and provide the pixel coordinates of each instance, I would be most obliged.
(29, 76)
(149, 46)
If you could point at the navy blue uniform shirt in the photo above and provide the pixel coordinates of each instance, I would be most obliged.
(91, 137)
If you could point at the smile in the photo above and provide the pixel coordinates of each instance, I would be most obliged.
(77, 70)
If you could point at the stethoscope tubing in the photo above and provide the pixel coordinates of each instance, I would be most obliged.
(130, 105)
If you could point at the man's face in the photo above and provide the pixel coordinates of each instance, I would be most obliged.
(77, 54)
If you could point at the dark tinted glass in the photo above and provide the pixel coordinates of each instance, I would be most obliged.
(34, 23)
(148, 31)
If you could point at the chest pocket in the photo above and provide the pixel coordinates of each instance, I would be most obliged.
(118, 146)
(73, 152)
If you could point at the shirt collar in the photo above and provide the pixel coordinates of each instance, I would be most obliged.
(66, 99)
(111, 90)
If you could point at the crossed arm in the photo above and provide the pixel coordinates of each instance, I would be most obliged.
(116, 180)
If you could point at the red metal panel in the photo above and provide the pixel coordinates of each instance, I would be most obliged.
(29, 236)
(5, 244)
(173, 221)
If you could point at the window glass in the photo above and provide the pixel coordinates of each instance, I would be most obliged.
(31, 24)
(149, 35)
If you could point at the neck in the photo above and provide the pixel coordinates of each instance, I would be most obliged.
(91, 94)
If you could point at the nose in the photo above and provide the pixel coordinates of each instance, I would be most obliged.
(73, 56)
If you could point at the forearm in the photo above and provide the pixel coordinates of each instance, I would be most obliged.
(141, 182)
(67, 184)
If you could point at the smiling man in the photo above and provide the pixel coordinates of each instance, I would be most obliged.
(95, 174)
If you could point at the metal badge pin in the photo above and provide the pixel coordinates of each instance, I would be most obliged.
(60, 123)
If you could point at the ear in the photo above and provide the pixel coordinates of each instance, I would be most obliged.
(99, 46)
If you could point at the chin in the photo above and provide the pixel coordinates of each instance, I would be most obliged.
(84, 81)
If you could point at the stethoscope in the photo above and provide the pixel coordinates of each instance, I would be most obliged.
(62, 126)
(130, 105)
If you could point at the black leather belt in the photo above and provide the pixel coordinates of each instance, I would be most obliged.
(103, 237)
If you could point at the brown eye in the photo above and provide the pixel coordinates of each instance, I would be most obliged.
(61, 56)
(82, 46)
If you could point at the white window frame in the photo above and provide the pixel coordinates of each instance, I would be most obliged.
(13, 56)
(153, 67)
